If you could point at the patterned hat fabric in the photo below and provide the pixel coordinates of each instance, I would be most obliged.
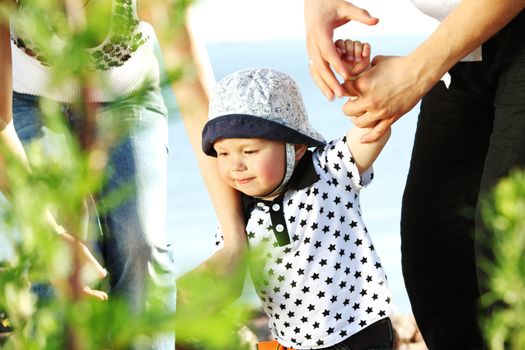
(258, 103)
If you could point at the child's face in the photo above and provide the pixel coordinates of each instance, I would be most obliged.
(252, 166)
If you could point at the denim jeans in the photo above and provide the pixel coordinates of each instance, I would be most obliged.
(134, 246)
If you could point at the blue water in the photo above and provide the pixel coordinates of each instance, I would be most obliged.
(191, 221)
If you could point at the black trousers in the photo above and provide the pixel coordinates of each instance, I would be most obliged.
(468, 136)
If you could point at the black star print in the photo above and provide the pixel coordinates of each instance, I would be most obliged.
(346, 238)
(311, 307)
(298, 302)
(352, 256)
(364, 260)
(315, 276)
(337, 233)
(362, 323)
(337, 266)
(337, 200)
(340, 155)
(338, 316)
(260, 221)
(300, 272)
(326, 229)
(290, 201)
(348, 188)
(316, 325)
(358, 242)
(317, 244)
(330, 330)
(337, 166)
(308, 336)
(301, 205)
(342, 334)
(347, 271)
(330, 215)
(297, 330)
(303, 223)
(382, 313)
(281, 278)
(363, 292)
(251, 235)
(320, 342)
(291, 219)
(291, 314)
(295, 237)
(304, 319)
(342, 284)
(323, 262)
(351, 320)
(315, 191)
(305, 289)
(288, 266)
(353, 224)
(307, 240)
(356, 306)
(314, 226)
(331, 247)
(293, 284)
(341, 252)
(282, 306)
(309, 207)
(286, 295)
(357, 274)
(346, 302)
(349, 205)
(326, 312)
(375, 296)
(349, 174)
(328, 280)
(320, 294)
(369, 278)
(333, 299)
(310, 258)
(325, 196)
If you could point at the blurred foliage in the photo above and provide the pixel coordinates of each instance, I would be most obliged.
(504, 214)
(61, 181)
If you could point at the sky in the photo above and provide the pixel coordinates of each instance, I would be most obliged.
(253, 20)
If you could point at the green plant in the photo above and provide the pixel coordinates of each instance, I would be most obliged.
(503, 213)
(60, 183)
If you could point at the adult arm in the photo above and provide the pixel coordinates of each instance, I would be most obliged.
(394, 85)
(180, 49)
(12, 148)
(321, 18)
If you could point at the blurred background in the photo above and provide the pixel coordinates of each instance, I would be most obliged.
(240, 34)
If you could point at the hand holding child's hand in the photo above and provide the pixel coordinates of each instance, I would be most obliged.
(354, 54)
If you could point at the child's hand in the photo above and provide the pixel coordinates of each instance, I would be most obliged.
(354, 54)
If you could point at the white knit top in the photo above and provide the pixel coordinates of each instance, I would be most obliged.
(121, 64)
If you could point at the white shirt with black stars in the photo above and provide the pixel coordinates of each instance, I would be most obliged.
(327, 283)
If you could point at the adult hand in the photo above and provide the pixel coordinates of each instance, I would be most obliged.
(87, 260)
(387, 91)
(321, 18)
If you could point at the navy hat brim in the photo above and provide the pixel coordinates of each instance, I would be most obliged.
(249, 126)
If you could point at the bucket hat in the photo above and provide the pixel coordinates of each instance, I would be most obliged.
(258, 103)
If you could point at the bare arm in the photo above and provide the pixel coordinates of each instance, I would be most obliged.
(191, 91)
(11, 146)
(395, 84)
(365, 154)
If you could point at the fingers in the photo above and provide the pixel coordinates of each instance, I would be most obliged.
(379, 130)
(352, 12)
(95, 294)
(85, 256)
(329, 57)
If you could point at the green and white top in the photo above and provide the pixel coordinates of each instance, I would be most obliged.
(120, 64)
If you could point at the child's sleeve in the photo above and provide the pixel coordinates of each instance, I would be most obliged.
(338, 168)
